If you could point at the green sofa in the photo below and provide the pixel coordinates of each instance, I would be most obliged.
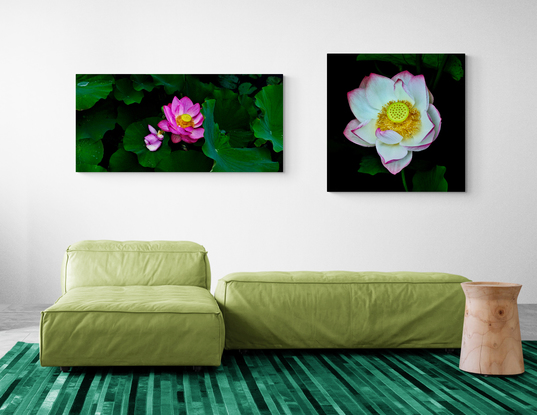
(301, 310)
(133, 304)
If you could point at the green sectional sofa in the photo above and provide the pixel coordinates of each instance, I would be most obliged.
(301, 310)
(133, 304)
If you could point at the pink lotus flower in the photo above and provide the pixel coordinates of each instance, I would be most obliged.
(396, 115)
(153, 141)
(183, 120)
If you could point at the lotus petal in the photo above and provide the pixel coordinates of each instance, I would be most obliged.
(197, 133)
(193, 110)
(390, 152)
(398, 165)
(388, 136)
(198, 120)
(418, 89)
(379, 91)
(360, 106)
(366, 132)
(426, 125)
(435, 119)
(187, 103)
(175, 106)
(163, 125)
(401, 92)
(351, 136)
(404, 76)
(169, 115)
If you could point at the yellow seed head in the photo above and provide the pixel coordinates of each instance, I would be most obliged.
(401, 117)
(184, 121)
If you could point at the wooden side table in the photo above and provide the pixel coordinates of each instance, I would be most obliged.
(491, 342)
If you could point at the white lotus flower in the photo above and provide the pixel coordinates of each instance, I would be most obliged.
(394, 115)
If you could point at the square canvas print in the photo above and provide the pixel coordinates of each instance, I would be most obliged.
(396, 123)
(179, 123)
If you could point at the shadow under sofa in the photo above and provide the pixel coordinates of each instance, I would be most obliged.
(133, 304)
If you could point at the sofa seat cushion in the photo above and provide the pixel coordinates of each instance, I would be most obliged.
(341, 309)
(138, 299)
(133, 326)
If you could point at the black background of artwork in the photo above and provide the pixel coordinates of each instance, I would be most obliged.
(344, 75)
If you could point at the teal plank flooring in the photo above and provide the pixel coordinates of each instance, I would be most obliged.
(271, 382)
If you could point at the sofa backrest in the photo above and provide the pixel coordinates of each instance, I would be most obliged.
(102, 263)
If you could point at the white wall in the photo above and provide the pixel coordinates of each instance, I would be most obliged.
(252, 222)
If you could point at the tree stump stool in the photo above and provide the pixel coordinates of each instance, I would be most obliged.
(491, 342)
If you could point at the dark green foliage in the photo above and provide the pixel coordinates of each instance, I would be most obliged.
(452, 65)
(123, 160)
(228, 81)
(113, 113)
(270, 126)
(371, 165)
(227, 158)
(92, 88)
(95, 122)
(124, 91)
(89, 152)
(430, 181)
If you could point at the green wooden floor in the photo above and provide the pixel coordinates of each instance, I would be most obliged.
(271, 382)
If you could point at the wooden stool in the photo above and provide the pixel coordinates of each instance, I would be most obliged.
(491, 342)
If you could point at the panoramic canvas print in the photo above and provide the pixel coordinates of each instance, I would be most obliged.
(179, 123)
(396, 123)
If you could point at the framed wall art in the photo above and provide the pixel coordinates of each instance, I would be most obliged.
(396, 123)
(179, 123)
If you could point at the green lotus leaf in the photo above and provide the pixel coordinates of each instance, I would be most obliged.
(196, 90)
(123, 160)
(227, 158)
(81, 168)
(246, 88)
(134, 141)
(270, 126)
(274, 80)
(171, 83)
(240, 138)
(183, 161)
(248, 103)
(125, 92)
(89, 151)
(95, 122)
(430, 181)
(92, 88)
(142, 82)
(259, 142)
(228, 81)
(229, 114)
(371, 165)
(453, 64)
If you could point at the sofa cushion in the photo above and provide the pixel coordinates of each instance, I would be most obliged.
(114, 263)
(340, 309)
(133, 325)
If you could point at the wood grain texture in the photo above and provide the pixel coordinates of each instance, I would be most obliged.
(491, 341)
